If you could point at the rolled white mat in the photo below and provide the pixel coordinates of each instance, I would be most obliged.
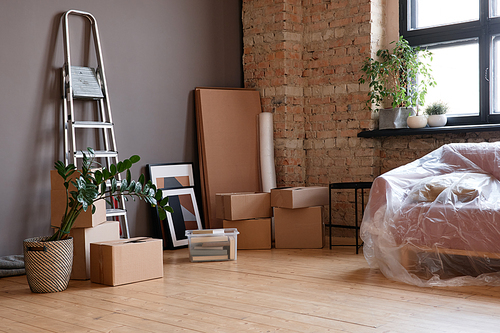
(267, 168)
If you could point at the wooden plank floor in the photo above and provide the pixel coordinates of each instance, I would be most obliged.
(263, 291)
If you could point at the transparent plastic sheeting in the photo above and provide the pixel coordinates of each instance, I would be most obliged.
(436, 221)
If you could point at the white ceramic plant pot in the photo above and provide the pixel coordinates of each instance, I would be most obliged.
(437, 120)
(416, 121)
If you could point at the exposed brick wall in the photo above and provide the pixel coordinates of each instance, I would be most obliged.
(272, 62)
(305, 59)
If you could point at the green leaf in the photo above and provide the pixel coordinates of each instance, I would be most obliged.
(98, 177)
(123, 185)
(112, 169)
(164, 202)
(135, 158)
(158, 195)
(162, 214)
(120, 167)
(127, 164)
(113, 185)
(129, 177)
(131, 186)
(145, 190)
(141, 179)
(138, 187)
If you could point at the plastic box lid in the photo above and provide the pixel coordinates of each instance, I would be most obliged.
(212, 232)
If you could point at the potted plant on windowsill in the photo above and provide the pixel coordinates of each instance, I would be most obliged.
(436, 113)
(398, 77)
(48, 260)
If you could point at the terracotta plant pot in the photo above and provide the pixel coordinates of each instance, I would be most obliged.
(48, 264)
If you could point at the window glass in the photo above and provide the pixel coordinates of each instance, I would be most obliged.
(495, 75)
(432, 13)
(494, 10)
(457, 80)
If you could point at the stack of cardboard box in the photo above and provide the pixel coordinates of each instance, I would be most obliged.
(297, 216)
(298, 222)
(88, 227)
(250, 213)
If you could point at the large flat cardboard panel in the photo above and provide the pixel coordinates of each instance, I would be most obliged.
(299, 197)
(82, 237)
(243, 206)
(227, 121)
(300, 228)
(254, 234)
(84, 220)
(125, 261)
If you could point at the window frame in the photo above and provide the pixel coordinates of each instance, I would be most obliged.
(482, 29)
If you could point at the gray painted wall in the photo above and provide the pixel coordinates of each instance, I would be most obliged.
(155, 53)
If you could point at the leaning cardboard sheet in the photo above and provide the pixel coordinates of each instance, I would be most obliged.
(436, 221)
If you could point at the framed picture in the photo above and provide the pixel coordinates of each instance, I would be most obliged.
(171, 176)
(185, 217)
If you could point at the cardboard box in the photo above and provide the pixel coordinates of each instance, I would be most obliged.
(254, 234)
(58, 204)
(84, 220)
(126, 260)
(82, 237)
(300, 228)
(299, 197)
(243, 206)
(57, 183)
(212, 244)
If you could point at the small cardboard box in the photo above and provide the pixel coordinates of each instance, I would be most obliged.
(84, 220)
(300, 228)
(299, 197)
(243, 206)
(126, 260)
(254, 234)
(82, 237)
(212, 244)
(57, 183)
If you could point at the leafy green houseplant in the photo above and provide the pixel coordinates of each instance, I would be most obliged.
(91, 185)
(436, 113)
(436, 108)
(49, 260)
(399, 77)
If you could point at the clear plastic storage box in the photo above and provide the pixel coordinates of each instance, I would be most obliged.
(212, 244)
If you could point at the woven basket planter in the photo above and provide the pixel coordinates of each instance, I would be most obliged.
(48, 264)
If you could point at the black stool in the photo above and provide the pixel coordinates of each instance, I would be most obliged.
(355, 186)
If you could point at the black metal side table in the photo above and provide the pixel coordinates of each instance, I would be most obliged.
(355, 186)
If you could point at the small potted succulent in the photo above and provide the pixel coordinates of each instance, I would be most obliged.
(436, 113)
(48, 260)
(400, 78)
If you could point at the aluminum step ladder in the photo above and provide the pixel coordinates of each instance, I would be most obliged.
(89, 85)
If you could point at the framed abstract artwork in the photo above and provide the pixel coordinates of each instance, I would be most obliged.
(172, 175)
(185, 217)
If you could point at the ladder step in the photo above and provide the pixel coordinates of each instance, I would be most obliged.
(85, 84)
(99, 153)
(115, 212)
(91, 124)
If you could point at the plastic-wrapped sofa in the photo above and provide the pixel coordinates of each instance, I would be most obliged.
(436, 221)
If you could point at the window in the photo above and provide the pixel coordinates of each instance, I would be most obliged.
(464, 37)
